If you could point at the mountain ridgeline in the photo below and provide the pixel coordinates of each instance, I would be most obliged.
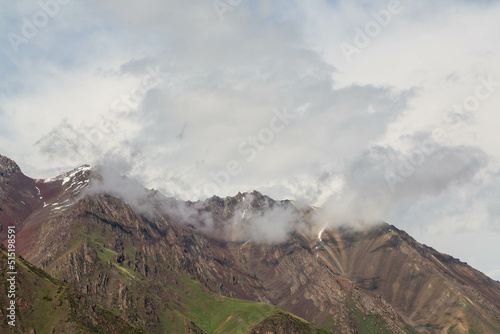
(91, 259)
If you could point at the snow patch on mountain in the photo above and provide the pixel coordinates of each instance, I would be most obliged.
(67, 176)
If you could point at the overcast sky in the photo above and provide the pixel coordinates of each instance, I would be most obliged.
(371, 109)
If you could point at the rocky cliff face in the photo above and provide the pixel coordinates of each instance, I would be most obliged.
(391, 275)
(46, 305)
(165, 263)
(7, 169)
(432, 291)
(19, 197)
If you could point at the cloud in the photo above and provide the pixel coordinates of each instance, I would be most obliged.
(259, 219)
(221, 98)
(148, 202)
(109, 181)
(382, 178)
(75, 94)
(247, 217)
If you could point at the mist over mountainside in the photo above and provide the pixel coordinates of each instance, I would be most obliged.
(263, 166)
(241, 264)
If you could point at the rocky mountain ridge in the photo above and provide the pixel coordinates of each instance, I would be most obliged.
(152, 259)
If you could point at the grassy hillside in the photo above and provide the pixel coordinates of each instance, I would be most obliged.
(47, 305)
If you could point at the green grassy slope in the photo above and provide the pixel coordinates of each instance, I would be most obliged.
(46, 305)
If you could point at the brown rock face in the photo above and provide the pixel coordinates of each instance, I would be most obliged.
(7, 168)
(281, 323)
(391, 275)
(348, 281)
(19, 197)
(433, 292)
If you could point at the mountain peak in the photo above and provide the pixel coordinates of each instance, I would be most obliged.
(67, 176)
(7, 168)
(119, 239)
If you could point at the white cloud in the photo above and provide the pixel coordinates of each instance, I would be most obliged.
(222, 82)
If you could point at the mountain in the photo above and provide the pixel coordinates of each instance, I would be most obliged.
(226, 265)
(48, 304)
